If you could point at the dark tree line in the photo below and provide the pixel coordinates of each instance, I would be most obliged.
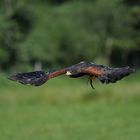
(63, 32)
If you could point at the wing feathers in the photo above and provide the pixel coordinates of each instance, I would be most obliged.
(93, 71)
(56, 73)
(106, 74)
(113, 75)
(36, 78)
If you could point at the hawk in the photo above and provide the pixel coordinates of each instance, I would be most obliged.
(93, 71)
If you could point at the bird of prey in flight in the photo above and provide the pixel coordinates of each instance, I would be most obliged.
(93, 71)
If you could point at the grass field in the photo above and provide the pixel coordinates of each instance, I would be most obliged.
(68, 109)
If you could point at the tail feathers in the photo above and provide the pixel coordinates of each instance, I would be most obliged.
(115, 74)
(36, 78)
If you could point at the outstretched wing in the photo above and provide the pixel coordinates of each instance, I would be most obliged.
(115, 74)
(35, 78)
(106, 74)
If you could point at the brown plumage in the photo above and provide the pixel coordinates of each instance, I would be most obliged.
(94, 71)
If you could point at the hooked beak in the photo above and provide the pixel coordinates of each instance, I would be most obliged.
(68, 73)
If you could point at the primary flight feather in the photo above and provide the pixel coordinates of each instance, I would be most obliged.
(103, 73)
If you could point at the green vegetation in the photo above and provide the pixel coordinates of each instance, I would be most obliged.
(69, 109)
(46, 32)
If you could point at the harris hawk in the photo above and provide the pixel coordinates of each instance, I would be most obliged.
(93, 71)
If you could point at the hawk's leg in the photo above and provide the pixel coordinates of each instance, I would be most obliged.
(91, 82)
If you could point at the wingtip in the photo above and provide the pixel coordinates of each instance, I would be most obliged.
(12, 77)
(132, 70)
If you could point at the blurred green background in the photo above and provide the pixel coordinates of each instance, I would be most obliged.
(50, 34)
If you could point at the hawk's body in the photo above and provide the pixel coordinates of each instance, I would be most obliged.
(103, 73)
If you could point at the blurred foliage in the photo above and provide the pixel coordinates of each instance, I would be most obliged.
(63, 32)
(71, 109)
